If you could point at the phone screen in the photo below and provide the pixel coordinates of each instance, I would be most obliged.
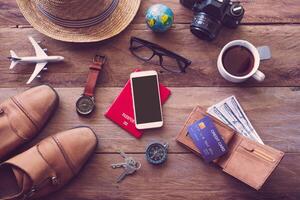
(146, 99)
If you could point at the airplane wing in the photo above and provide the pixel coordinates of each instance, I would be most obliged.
(38, 50)
(38, 68)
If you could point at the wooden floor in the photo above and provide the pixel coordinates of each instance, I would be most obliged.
(273, 106)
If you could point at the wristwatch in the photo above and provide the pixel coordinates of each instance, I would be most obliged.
(86, 102)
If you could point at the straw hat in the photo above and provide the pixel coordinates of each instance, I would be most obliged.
(79, 20)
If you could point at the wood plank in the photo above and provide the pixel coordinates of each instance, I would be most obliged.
(183, 176)
(274, 112)
(282, 70)
(257, 11)
(10, 15)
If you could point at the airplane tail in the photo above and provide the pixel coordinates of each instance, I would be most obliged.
(14, 59)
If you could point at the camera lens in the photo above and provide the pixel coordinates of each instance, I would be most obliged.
(205, 27)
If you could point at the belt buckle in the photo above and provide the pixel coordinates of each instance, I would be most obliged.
(99, 60)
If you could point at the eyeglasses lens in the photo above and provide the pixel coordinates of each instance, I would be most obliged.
(141, 51)
(171, 64)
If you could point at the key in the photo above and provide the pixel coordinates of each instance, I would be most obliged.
(128, 169)
(127, 158)
(118, 165)
(123, 154)
(128, 161)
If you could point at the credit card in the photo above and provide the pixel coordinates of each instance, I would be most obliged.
(207, 139)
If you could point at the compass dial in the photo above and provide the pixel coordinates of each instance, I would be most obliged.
(156, 153)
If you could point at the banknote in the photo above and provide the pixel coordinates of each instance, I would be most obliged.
(230, 112)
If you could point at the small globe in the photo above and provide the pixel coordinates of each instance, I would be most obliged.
(159, 18)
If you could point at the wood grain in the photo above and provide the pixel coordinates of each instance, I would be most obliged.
(183, 176)
(274, 112)
(257, 12)
(272, 106)
(282, 70)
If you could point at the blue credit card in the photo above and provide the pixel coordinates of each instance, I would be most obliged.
(207, 139)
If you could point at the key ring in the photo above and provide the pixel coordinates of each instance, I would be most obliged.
(139, 165)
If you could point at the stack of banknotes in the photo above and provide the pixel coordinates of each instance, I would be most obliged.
(230, 112)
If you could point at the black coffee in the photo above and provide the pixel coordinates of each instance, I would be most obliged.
(238, 60)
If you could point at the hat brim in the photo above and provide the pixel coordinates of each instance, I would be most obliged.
(113, 25)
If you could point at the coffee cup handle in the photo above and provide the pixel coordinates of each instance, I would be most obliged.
(259, 76)
(264, 52)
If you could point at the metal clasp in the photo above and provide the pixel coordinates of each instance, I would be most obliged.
(54, 180)
(99, 60)
(166, 145)
(30, 193)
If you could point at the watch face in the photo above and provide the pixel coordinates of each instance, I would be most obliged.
(85, 105)
(156, 153)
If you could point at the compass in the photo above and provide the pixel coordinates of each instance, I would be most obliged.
(156, 153)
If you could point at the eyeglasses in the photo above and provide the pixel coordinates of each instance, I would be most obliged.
(158, 55)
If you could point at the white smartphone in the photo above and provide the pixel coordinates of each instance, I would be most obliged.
(146, 99)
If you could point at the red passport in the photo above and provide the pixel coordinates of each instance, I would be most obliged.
(121, 110)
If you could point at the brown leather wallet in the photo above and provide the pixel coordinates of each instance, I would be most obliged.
(246, 160)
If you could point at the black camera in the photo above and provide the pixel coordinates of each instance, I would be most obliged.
(210, 15)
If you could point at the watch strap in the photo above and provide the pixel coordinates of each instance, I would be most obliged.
(93, 76)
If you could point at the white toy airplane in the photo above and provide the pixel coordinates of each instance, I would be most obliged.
(41, 59)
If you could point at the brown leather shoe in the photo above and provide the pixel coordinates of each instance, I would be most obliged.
(24, 115)
(47, 166)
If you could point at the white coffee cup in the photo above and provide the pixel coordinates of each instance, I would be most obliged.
(259, 53)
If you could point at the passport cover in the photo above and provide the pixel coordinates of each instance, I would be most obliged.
(121, 111)
(246, 160)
